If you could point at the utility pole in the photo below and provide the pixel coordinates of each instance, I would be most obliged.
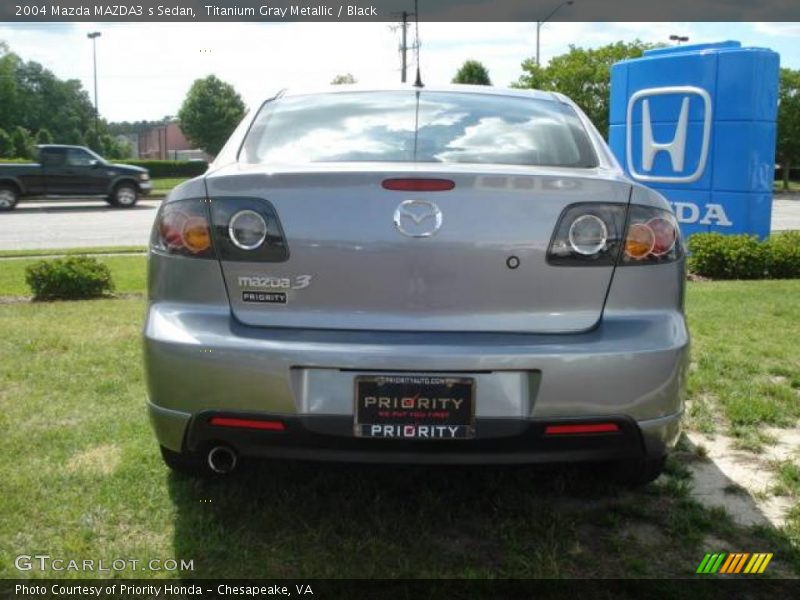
(404, 47)
(545, 20)
(93, 36)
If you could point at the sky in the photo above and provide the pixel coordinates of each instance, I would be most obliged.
(145, 70)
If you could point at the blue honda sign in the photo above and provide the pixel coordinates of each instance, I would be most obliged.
(697, 123)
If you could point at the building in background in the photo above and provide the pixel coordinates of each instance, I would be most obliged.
(167, 142)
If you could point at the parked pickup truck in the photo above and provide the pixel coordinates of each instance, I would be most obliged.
(72, 171)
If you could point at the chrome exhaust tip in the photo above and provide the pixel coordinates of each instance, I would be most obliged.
(222, 459)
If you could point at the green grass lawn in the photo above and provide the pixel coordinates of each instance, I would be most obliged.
(86, 479)
(746, 357)
(794, 186)
(69, 251)
(162, 185)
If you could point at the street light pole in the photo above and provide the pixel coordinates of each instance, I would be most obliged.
(93, 36)
(679, 38)
(545, 20)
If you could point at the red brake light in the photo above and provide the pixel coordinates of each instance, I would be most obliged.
(248, 423)
(581, 428)
(412, 184)
(665, 233)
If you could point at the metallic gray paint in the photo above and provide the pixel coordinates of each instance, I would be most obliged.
(626, 351)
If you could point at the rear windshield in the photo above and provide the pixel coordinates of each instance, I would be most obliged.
(410, 126)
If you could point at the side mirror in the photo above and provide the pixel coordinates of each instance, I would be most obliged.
(94, 163)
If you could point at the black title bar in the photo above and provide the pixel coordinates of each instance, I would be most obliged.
(390, 10)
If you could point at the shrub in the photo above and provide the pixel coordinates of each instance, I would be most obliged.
(743, 257)
(21, 142)
(70, 278)
(727, 256)
(171, 168)
(783, 260)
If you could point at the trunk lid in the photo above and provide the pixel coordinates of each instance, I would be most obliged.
(354, 268)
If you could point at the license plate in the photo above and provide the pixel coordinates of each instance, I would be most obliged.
(419, 407)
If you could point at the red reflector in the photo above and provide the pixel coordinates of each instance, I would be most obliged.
(418, 185)
(582, 428)
(248, 423)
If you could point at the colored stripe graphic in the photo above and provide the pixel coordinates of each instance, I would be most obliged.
(740, 564)
(734, 563)
(711, 563)
(727, 564)
(730, 564)
(702, 567)
(754, 562)
(765, 563)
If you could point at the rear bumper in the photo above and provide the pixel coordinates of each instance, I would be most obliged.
(498, 441)
(630, 369)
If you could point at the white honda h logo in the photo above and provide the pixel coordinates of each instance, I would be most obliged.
(676, 149)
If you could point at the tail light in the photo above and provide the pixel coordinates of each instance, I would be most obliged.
(652, 237)
(244, 229)
(247, 229)
(588, 234)
(597, 234)
(183, 228)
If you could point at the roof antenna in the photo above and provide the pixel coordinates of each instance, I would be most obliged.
(418, 83)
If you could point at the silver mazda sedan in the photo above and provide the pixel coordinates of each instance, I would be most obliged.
(424, 275)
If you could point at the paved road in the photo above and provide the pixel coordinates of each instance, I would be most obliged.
(786, 212)
(73, 224)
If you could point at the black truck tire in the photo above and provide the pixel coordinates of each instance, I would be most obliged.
(124, 195)
(9, 196)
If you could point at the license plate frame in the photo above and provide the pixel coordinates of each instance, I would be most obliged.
(448, 414)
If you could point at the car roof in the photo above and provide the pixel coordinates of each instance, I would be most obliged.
(452, 88)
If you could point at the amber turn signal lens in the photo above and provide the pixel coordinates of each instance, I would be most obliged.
(195, 234)
(640, 241)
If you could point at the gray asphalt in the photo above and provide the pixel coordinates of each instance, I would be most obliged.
(78, 223)
(75, 224)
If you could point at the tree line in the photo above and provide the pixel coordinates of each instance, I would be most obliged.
(38, 108)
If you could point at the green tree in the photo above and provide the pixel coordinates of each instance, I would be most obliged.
(343, 79)
(74, 137)
(128, 127)
(788, 146)
(472, 72)
(113, 148)
(21, 143)
(43, 136)
(94, 141)
(6, 147)
(210, 112)
(9, 92)
(32, 97)
(582, 74)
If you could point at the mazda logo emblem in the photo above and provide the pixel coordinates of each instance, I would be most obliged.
(417, 218)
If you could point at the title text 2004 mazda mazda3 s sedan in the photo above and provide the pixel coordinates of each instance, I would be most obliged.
(450, 275)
